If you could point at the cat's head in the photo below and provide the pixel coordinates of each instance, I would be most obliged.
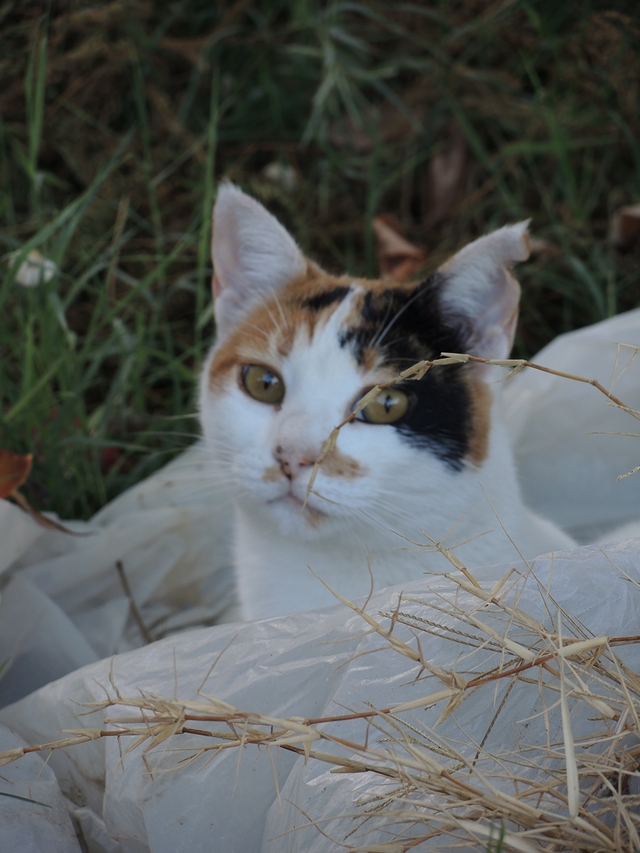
(297, 348)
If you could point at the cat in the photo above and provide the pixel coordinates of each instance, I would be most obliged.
(296, 349)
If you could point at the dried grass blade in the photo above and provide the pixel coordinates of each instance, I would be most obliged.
(573, 787)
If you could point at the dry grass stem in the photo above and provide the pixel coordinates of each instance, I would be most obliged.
(573, 793)
(135, 612)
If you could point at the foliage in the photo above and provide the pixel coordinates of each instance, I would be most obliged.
(117, 118)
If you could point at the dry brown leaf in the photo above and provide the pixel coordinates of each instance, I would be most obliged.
(398, 259)
(14, 470)
(542, 247)
(382, 122)
(625, 226)
(349, 134)
(445, 175)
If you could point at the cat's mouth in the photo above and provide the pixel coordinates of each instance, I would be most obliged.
(308, 512)
(287, 498)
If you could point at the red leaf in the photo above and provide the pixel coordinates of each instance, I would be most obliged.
(398, 259)
(14, 470)
(625, 226)
(109, 457)
(446, 174)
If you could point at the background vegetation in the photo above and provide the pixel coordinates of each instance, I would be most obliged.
(118, 117)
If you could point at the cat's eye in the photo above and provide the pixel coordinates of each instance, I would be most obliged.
(388, 406)
(262, 383)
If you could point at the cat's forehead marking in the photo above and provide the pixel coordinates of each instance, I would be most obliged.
(326, 298)
(333, 305)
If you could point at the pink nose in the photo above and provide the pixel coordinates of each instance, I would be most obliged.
(293, 461)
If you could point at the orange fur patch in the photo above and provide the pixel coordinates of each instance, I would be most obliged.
(338, 464)
(272, 474)
(334, 464)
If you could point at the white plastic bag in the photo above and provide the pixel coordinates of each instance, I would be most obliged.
(564, 432)
(33, 813)
(170, 534)
(322, 663)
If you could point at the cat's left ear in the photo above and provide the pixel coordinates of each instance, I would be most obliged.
(480, 289)
(253, 255)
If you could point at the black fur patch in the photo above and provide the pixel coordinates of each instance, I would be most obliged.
(406, 327)
(326, 298)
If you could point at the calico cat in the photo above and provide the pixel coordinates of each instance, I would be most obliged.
(297, 348)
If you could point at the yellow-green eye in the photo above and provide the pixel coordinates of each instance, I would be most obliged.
(263, 384)
(387, 407)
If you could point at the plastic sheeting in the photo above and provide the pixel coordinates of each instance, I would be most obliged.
(63, 606)
(63, 603)
(295, 665)
(564, 433)
(33, 812)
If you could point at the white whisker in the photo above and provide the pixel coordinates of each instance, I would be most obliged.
(279, 307)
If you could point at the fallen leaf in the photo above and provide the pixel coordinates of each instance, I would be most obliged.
(109, 457)
(381, 122)
(538, 246)
(445, 175)
(398, 259)
(14, 470)
(625, 226)
(351, 134)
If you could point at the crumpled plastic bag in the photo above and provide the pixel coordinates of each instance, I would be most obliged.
(63, 603)
(563, 432)
(33, 813)
(312, 665)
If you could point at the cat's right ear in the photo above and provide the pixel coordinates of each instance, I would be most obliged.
(480, 289)
(253, 255)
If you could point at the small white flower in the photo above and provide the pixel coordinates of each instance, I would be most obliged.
(280, 173)
(34, 269)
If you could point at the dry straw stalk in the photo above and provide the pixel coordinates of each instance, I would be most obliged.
(432, 783)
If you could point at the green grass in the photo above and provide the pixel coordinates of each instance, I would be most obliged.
(496, 845)
(113, 132)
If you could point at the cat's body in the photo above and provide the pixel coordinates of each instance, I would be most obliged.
(297, 348)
